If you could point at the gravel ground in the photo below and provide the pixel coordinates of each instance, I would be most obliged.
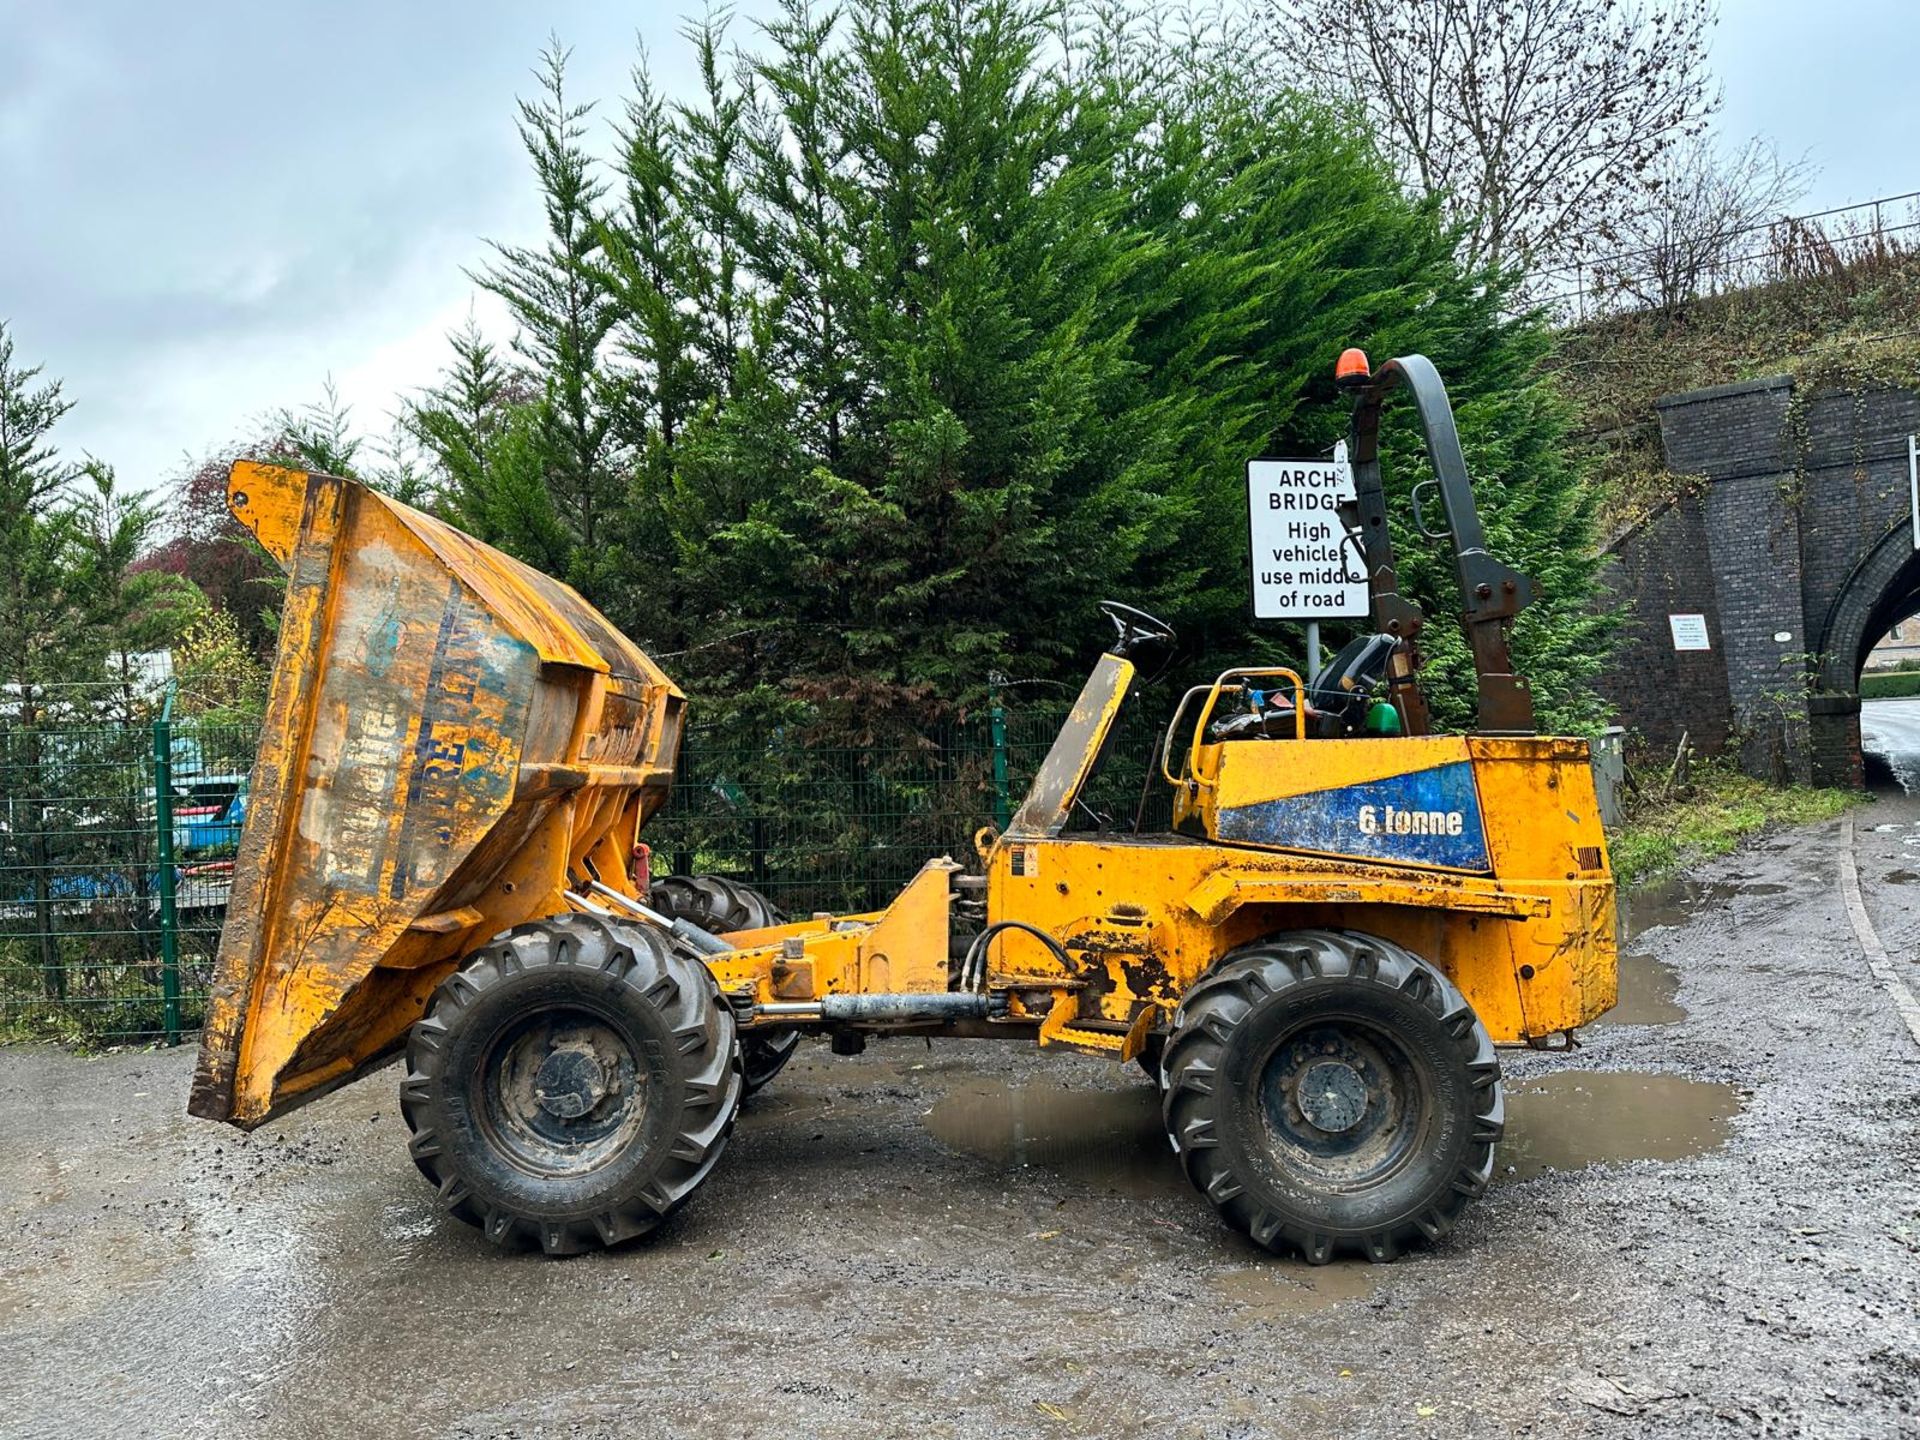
(1707, 1221)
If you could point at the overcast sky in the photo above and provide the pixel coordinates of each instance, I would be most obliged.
(207, 209)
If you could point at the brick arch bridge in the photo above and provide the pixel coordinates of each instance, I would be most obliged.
(1796, 545)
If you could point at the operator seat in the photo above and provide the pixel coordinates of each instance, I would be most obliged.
(1337, 697)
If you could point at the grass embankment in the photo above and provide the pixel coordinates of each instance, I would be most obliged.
(1853, 324)
(1710, 815)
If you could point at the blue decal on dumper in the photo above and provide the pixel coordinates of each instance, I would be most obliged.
(1424, 817)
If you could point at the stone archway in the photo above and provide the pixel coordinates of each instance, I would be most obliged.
(1882, 589)
(1795, 541)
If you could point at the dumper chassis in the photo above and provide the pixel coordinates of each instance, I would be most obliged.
(442, 860)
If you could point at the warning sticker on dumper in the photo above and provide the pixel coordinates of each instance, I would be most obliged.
(1024, 862)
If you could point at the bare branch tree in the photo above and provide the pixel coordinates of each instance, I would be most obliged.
(1706, 205)
(1538, 124)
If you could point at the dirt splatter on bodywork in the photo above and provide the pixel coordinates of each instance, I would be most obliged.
(448, 734)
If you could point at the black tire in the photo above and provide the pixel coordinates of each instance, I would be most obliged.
(572, 1084)
(717, 904)
(1394, 1137)
(714, 903)
(764, 1054)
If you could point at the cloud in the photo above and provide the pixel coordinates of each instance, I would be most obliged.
(207, 209)
(217, 206)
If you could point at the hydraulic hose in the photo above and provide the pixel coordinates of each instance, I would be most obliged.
(973, 968)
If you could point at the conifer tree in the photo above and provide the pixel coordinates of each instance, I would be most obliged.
(131, 608)
(652, 266)
(564, 317)
(913, 471)
(934, 322)
(319, 436)
(646, 262)
(40, 580)
(459, 420)
(710, 153)
(43, 638)
(485, 430)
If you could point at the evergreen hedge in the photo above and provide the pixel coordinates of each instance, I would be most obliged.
(935, 322)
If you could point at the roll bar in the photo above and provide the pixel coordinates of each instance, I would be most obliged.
(1491, 593)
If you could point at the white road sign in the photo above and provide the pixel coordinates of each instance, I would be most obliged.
(1689, 632)
(1303, 567)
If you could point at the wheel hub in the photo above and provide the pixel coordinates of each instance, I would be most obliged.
(562, 1090)
(569, 1083)
(1332, 1096)
(1341, 1103)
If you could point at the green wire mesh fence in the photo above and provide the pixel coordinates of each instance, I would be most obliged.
(843, 828)
(84, 953)
(117, 842)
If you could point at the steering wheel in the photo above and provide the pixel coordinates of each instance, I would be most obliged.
(1134, 628)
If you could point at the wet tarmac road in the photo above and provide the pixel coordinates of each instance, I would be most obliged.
(1890, 736)
(1706, 1221)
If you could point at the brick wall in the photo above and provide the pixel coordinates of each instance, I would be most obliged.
(1755, 540)
(1663, 567)
(1855, 490)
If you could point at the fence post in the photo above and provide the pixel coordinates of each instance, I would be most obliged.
(163, 848)
(53, 970)
(682, 863)
(1002, 801)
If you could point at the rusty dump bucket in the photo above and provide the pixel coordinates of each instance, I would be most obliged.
(449, 734)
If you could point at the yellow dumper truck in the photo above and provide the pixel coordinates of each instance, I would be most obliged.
(1316, 962)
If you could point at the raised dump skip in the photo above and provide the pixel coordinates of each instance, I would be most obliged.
(448, 734)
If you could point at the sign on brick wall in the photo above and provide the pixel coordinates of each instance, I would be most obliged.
(1689, 632)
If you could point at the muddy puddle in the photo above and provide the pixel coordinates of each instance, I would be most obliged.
(1579, 1118)
(1677, 901)
(1648, 986)
(1647, 990)
(1106, 1139)
(1112, 1140)
(1283, 1289)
